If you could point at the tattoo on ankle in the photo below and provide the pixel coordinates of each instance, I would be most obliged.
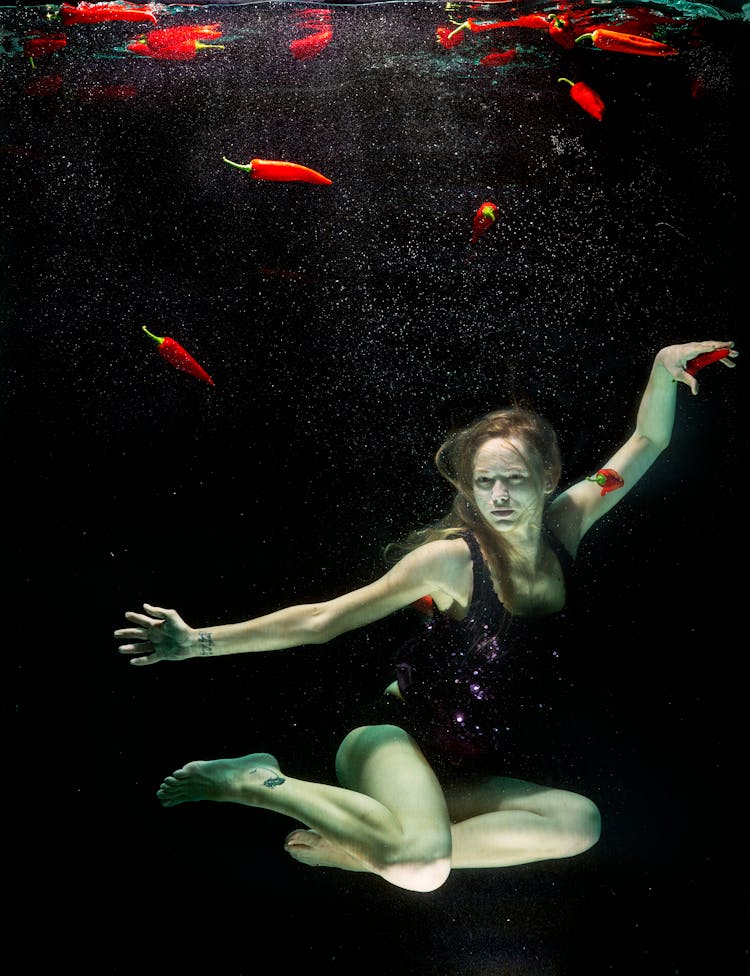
(205, 644)
(273, 781)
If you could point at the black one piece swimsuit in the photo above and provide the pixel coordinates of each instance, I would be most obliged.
(470, 686)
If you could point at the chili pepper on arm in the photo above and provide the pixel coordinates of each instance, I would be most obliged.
(278, 171)
(610, 40)
(580, 506)
(180, 358)
(608, 479)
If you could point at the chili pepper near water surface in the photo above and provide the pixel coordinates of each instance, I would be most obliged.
(278, 171)
(449, 37)
(586, 97)
(610, 40)
(608, 480)
(176, 356)
(496, 59)
(41, 44)
(176, 43)
(100, 13)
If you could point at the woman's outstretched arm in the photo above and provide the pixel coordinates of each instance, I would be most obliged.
(575, 510)
(160, 634)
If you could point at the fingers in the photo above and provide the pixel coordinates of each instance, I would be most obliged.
(140, 661)
(136, 648)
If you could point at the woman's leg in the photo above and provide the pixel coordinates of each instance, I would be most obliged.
(388, 817)
(500, 821)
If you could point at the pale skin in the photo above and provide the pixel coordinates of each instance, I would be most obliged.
(390, 815)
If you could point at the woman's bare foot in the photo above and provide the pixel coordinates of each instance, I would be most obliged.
(310, 847)
(227, 780)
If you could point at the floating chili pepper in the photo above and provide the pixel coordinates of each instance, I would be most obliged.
(425, 605)
(166, 37)
(610, 40)
(537, 21)
(607, 479)
(704, 359)
(561, 30)
(449, 37)
(278, 171)
(185, 50)
(44, 86)
(99, 13)
(497, 58)
(586, 97)
(308, 47)
(177, 356)
(484, 218)
(176, 43)
(41, 44)
(93, 93)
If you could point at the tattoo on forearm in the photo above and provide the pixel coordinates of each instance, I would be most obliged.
(205, 644)
(273, 781)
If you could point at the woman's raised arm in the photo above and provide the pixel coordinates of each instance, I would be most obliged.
(575, 510)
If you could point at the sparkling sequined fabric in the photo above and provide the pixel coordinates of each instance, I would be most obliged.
(475, 683)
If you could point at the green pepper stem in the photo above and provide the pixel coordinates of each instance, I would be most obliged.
(566, 79)
(248, 167)
(463, 26)
(157, 338)
(200, 44)
(584, 36)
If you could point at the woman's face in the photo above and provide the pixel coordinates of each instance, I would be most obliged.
(506, 493)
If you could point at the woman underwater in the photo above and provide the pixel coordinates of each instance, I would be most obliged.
(495, 569)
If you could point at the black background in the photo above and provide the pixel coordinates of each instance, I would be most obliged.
(347, 327)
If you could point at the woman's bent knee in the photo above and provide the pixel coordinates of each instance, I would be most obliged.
(585, 826)
(425, 876)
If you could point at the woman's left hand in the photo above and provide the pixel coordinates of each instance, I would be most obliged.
(674, 359)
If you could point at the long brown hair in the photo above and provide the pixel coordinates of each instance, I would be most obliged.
(455, 462)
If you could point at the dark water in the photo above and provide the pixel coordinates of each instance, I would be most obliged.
(346, 328)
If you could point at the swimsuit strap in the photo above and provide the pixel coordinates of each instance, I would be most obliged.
(483, 592)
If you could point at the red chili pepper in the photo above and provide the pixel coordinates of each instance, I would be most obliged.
(484, 218)
(176, 43)
(586, 97)
(609, 40)
(698, 362)
(537, 21)
(561, 30)
(449, 37)
(308, 47)
(98, 13)
(608, 479)
(44, 86)
(177, 356)
(425, 605)
(35, 47)
(278, 171)
(496, 58)
(93, 93)
(167, 37)
(185, 50)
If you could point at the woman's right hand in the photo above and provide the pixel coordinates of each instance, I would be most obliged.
(162, 635)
